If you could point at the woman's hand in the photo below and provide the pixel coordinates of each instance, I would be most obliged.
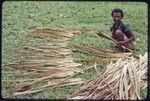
(120, 43)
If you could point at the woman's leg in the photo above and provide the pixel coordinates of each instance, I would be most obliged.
(122, 37)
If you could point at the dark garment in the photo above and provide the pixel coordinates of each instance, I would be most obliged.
(124, 28)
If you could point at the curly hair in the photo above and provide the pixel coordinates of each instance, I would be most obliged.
(117, 10)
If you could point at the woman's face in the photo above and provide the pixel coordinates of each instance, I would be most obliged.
(117, 17)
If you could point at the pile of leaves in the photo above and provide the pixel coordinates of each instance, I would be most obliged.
(51, 63)
(123, 79)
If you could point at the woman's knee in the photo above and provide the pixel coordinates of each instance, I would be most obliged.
(119, 32)
(120, 35)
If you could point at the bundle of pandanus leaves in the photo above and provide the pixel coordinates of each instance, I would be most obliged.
(123, 80)
(51, 64)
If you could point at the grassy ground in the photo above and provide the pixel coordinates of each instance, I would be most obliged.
(19, 18)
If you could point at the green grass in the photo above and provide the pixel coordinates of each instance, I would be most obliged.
(19, 18)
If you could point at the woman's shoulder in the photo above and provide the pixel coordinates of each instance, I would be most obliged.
(125, 25)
